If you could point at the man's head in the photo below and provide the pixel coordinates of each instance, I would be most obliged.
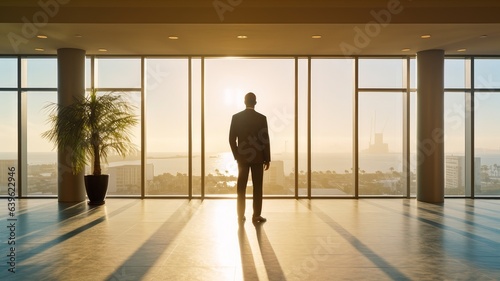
(250, 99)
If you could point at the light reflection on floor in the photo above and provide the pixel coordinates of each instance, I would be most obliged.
(178, 239)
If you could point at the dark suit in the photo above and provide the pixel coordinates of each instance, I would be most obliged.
(249, 141)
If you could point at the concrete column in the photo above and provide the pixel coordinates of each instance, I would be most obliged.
(430, 126)
(71, 84)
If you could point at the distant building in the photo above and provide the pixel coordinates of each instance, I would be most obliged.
(127, 176)
(276, 174)
(378, 146)
(455, 172)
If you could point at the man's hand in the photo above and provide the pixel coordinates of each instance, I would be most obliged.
(266, 166)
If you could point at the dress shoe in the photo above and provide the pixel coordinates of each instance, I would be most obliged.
(259, 219)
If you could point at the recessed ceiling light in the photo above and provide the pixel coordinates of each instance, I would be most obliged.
(102, 50)
(173, 37)
(405, 49)
(426, 36)
(316, 37)
(483, 36)
(78, 36)
(39, 49)
(461, 50)
(42, 36)
(242, 37)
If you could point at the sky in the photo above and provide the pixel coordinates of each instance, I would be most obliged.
(227, 80)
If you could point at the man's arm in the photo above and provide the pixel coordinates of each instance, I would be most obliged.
(232, 138)
(267, 146)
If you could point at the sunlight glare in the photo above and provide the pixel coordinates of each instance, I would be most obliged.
(223, 233)
(230, 165)
(228, 97)
(233, 98)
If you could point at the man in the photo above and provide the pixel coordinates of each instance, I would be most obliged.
(249, 141)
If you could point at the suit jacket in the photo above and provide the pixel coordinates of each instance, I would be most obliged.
(249, 137)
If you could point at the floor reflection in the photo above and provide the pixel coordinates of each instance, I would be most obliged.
(327, 239)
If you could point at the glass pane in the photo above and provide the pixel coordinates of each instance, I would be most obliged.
(196, 119)
(118, 73)
(454, 73)
(8, 72)
(380, 144)
(487, 144)
(302, 133)
(413, 73)
(8, 142)
(41, 72)
(227, 81)
(381, 73)
(125, 173)
(331, 127)
(454, 143)
(413, 144)
(42, 157)
(167, 126)
(88, 73)
(487, 73)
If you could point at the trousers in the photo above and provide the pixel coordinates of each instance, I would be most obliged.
(257, 179)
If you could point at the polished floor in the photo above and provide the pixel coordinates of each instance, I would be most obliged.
(322, 239)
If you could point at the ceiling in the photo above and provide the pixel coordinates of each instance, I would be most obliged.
(272, 27)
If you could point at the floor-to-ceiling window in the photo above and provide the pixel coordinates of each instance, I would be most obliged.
(39, 81)
(122, 76)
(27, 86)
(303, 111)
(456, 84)
(332, 92)
(381, 90)
(226, 83)
(8, 124)
(487, 131)
(196, 113)
(411, 164)
(167, 93)
(316, 106)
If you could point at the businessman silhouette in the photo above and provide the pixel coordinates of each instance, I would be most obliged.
(249, 141)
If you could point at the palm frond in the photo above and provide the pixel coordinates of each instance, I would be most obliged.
(92, 128)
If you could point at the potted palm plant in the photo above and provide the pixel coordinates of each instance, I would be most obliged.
(93, 127)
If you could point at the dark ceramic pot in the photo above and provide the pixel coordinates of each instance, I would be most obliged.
(96, 187)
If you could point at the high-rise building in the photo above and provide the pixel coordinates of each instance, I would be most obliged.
(455, 172)
(127, 178)
(275, 175)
